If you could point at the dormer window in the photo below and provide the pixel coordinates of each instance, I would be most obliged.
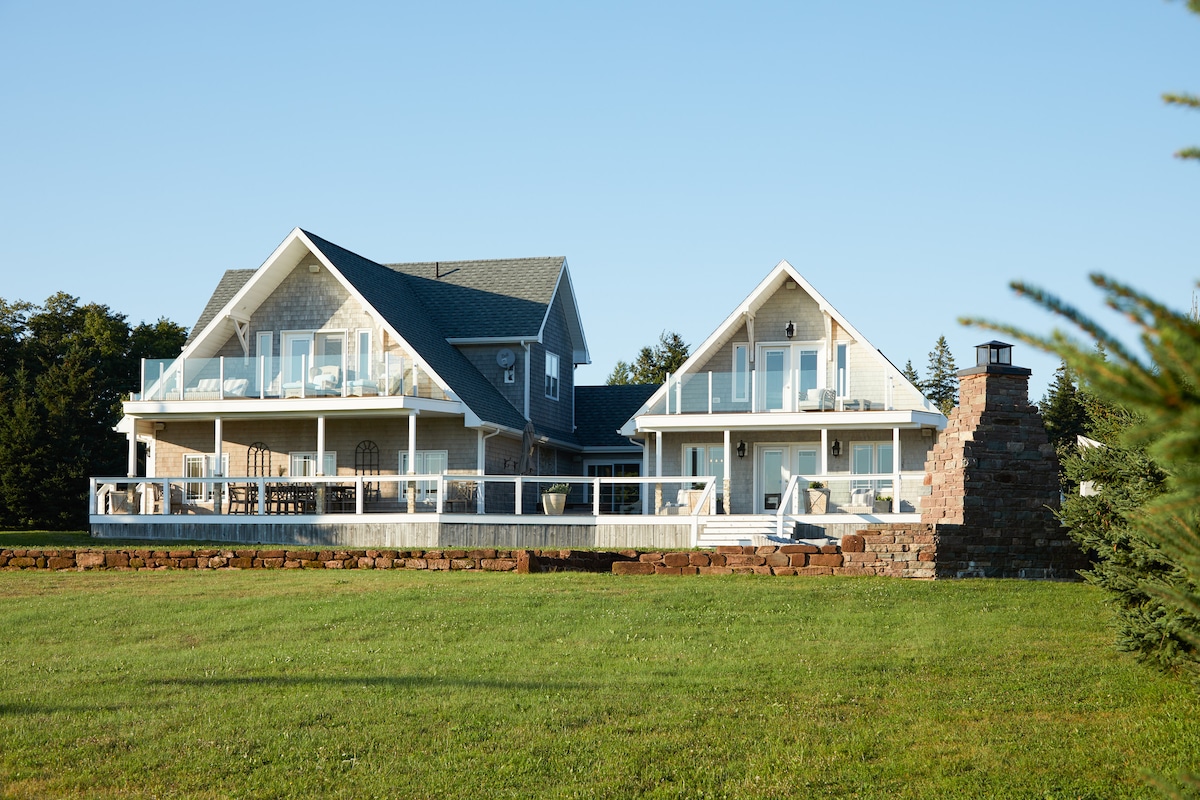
(552, 376)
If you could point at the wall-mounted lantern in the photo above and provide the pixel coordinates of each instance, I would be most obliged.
(790, 330)
(835, 449)
(741, 448)
(993, 353)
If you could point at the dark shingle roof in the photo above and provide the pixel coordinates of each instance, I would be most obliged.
(505, 297)
(389, 292)
(601, 410)
(230, 283)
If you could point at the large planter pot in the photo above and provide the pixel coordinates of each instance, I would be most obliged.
(818, 500)
(553, 503)
(883, 506)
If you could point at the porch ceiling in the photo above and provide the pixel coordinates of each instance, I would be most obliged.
(793, 421)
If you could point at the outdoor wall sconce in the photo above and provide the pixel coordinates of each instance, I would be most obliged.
(835, 449)
(741, 448)
(790, 330)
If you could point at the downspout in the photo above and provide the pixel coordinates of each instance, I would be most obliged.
(528, 361)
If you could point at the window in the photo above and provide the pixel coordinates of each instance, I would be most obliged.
(552, 376)
(362, 363)
(616, 498)
(843, 372)
(741, 373)
(705, 459)
(304, 465)
(872, 458)
(428, 462)
(201, 465)
(808, 370)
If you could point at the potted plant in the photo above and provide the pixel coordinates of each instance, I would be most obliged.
(818, 498)
(883, 504)
(554, 499)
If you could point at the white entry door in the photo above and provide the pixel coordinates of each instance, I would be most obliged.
(776, 381)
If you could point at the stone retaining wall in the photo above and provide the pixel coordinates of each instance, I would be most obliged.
(902, 551)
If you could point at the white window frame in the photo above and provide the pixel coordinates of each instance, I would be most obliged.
(362, 354)
(842, 369)
(713, 467)
(310, 457)
(426, 490)
(553, 374)
(740, 372)
(200, 465)
(879, 485)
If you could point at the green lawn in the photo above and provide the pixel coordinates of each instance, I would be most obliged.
(404, 684)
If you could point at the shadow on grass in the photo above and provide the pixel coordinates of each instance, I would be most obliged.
(28, 710)
(383, 681)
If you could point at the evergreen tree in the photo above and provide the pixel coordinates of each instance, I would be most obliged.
(941, 387)
(910, 373)
(1063, 411)
(652, 364)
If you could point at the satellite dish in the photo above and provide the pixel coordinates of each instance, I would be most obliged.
(506, 358)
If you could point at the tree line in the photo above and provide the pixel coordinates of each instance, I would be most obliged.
(64, 368)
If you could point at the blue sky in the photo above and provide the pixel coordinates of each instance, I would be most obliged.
(910, 159)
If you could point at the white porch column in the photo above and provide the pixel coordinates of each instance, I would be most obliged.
(658, 490)
(645, 471)
(321, 445)
(412, 461)
(131, 464)
(895, 470)
(726, 479)
(218, 435)
(824, 451)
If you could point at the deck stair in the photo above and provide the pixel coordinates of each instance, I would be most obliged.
(743, 529)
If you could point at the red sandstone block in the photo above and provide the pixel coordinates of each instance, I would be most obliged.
(251, 554)
(744, 561)
(854, 571)
(798, 560)
(926, 555)
(814, 571)
(187, 563)
(271, 563)
(661, 570)
(58, 562)
(650, 558)
(498, 564)
(462, 563)
(300, 555)
(392, 554)
(265, 554)
(699, 559)
(383, 562)
(717, 560)
(689, 570)
(453, 554)
(677, 559)
(134, 563)
(333, 563)
(852, 543)
(729, 549)
(439, 563)
(742, 570)
(364, 562)
(783, 570)
(205, 553)
(762, 570)
(632, 568)
(799, 548)
(824, 560)
(748, 549)
(765, 550)
(527, 562)
(25, 561)
(256, 563)
(481, 554)
(241, 563)
(830, 549)
(116, 559)
(778, 560)
(714, 570)
(325, 555)
(89, 560)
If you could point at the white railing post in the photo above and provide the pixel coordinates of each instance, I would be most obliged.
(221, 376)
(710, 391)
(95, 497)
(596, 496)
(387, 375)
(668, 395)
(303, 376)
(262, 496)
(753, 392)
(518, 496)
(161, 394)
(441, 491)
(678, 394)
(262, 377)
(182, 376)
(358, 495)
(143, 389)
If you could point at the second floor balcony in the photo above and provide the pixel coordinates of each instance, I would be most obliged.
(766, 391)
(262, 378)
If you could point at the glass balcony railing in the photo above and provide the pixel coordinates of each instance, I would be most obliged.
(757, 391)
(235, 378)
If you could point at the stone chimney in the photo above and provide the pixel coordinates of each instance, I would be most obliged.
(993, 477)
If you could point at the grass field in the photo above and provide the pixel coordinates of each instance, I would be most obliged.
(399, 684)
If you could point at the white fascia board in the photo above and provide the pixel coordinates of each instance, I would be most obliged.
(276, 408)
(466, 340)
(221, 319)
(792, 421)
(579, 349)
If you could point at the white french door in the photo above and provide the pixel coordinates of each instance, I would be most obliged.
(776, 466)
